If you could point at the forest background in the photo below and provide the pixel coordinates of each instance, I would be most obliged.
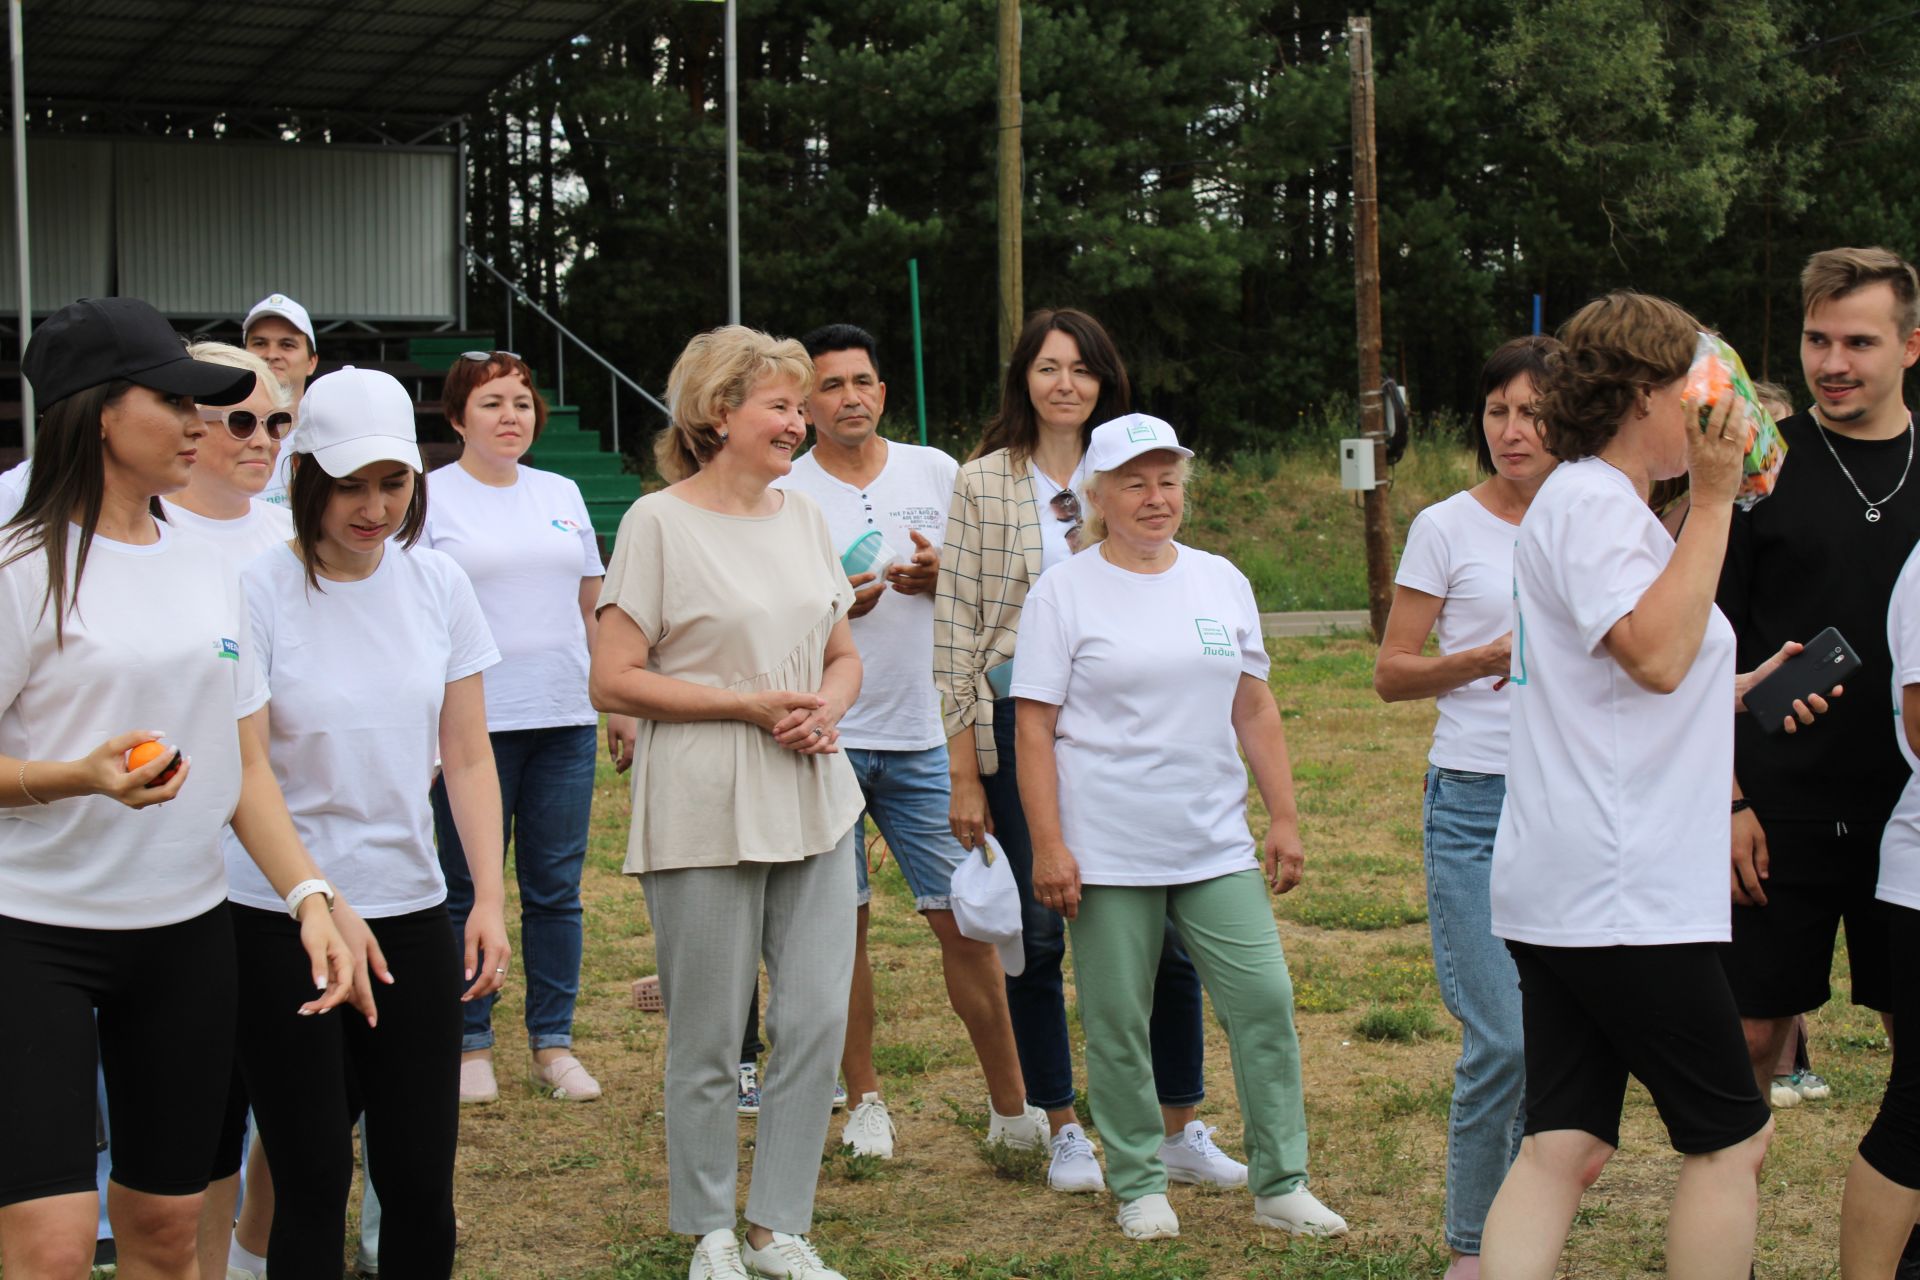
(1187, 179)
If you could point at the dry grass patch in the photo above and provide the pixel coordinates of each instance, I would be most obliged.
(551, 1189)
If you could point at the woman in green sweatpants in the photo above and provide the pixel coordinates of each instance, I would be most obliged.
(1142, 674)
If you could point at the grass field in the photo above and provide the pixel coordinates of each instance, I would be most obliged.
(551, 1189)
(1281, 516)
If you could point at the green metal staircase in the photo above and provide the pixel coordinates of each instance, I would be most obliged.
(570, 450)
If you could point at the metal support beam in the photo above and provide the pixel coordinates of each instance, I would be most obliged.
(733, 168)
(23, 260)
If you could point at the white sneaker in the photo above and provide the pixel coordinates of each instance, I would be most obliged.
(869, 1129)
(789, 1257)
(1024, 1132)
(747, 1090)
(717, 1257)
(1193, 1157)
(1782, 1094)
(1299, 1212)
(1148, 1218)
(1073, 1167)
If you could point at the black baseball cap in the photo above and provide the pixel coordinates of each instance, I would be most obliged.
(97, 340)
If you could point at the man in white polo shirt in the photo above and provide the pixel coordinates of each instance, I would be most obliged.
(280, 331)
(867, 484)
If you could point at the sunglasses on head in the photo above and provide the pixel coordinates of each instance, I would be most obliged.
(485, 357)
(241, 423)
(1066, 509)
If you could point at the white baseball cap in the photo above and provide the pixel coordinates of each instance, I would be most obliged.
(279, 304)
(1127, 437)
(351, 417)
(986, 904)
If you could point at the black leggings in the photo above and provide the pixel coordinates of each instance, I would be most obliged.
(308, 1078)
(1892, 1144)
(165, 1000)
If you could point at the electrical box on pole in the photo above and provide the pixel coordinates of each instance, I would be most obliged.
(1356, 464)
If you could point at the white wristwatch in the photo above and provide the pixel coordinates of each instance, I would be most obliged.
(304, 890)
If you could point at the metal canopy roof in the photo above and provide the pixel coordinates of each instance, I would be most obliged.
(416, 59)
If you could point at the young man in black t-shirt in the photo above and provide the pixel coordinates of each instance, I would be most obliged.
(1824, 551)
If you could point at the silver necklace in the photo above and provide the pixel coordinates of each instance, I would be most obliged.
(1873, 508)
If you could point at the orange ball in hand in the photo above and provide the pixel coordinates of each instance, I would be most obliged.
(148, 751)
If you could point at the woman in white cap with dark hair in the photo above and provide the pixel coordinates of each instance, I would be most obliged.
(117, 621)
(1141, 666)
(373, 649)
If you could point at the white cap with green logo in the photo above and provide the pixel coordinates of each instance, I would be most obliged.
(1117, 443)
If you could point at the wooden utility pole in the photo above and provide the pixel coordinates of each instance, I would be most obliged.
(1366, 305)
(1012, 306)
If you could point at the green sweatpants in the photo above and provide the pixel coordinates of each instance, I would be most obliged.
(1228, 929)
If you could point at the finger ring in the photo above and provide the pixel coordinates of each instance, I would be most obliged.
(501, 969)
(817, 731)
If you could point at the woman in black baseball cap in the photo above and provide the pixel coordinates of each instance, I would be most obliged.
(114, 620)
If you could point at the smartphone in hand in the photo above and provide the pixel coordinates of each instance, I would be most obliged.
(1827, 660)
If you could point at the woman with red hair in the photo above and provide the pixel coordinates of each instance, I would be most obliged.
(527, 544)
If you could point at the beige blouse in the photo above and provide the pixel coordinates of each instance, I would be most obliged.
(733, 602)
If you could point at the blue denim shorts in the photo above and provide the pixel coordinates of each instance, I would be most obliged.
(907, 795)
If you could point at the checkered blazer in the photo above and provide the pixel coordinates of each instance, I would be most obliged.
(992, 556)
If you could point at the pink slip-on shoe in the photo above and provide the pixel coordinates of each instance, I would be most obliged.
(565, 1078)
(477, 1084)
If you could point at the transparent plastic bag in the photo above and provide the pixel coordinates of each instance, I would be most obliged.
(1716, 373)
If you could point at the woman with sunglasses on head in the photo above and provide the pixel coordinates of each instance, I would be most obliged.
(527, 543)
(1016, 515)
(373, 649)
(116, 621)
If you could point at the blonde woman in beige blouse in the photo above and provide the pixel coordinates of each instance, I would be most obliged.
(723, 628)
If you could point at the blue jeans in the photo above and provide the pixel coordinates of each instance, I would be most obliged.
(1481, 988)
(1037, 999)
(546, 798)
(907, 795)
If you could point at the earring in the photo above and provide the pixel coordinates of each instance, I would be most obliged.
(723, 436)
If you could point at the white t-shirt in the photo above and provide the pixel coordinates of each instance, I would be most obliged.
(275, 494)
(241, 541)
(1053, 530)
(1616, 827)
(160, 641)
(1463, 553)
(525, 548)
(359, 671)
(1900, 844)
(13, 488)
(1144, 668)
(899, 707)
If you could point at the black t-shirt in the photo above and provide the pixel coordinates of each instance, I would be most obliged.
(1804, 558)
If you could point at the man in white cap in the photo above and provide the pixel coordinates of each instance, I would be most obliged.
(280, 331)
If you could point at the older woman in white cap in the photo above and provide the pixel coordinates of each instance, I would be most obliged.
(118, 620)
(1139, 668)
(373, 649)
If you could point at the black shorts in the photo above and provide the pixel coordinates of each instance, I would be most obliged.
(165, 998)
(1663, 1014)
(1821, 874)
(1892, 1144)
